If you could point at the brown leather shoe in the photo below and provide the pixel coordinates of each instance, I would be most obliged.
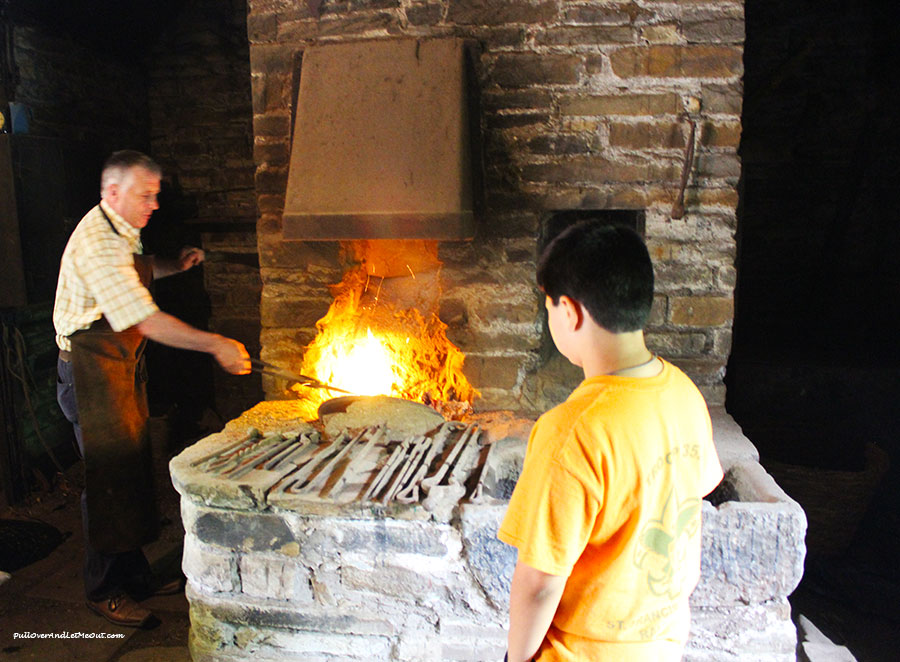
(121, 610)
(140, 591)
(173, 587)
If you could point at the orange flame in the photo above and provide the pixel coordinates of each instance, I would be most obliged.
(378, 349)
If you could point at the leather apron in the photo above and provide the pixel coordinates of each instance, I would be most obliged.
(110, 388)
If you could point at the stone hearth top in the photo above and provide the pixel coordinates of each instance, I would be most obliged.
(271, 456)
(285, 571)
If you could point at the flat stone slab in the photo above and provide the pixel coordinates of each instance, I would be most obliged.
(731, 444)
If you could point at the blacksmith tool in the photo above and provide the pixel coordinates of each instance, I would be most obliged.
(264, 368)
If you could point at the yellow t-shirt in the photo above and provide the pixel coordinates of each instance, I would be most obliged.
(610, 496)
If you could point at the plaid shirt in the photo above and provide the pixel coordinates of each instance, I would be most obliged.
(97, 277)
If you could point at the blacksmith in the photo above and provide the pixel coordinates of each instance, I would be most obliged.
(103, 316)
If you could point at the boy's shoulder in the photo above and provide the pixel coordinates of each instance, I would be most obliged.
(559, 421)
(599, 401)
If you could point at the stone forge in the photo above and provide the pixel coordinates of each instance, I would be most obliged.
(625, 111)
(291, 553)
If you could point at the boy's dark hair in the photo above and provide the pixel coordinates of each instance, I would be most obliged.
(606, 268)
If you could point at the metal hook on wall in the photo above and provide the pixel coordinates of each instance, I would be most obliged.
(678, 207)
(314, 6)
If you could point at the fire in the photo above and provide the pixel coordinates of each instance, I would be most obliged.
(365, 369)
(375, 348)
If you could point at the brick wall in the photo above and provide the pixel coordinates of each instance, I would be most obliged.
(75, 92)
(583, 108)
(185, 101)
(200, 111)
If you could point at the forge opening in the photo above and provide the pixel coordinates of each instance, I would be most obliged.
(382, 334)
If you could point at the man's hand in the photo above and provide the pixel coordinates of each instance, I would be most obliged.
(232, 356)
(171, 331)
(190, 256)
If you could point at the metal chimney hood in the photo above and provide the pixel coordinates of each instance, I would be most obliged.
(382, 145)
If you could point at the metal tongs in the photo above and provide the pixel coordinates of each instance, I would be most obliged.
(264, 368)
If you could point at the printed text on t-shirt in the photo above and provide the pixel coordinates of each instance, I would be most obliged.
(687, 451)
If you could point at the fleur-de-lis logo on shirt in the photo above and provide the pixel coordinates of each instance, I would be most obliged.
(662, 544)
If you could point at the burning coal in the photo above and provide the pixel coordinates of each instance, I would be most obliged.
(369, 346)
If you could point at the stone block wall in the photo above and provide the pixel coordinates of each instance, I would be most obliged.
(585, 105)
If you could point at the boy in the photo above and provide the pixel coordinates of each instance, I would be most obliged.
(606, 512)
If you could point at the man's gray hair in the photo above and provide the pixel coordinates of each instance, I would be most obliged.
(119, 163)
